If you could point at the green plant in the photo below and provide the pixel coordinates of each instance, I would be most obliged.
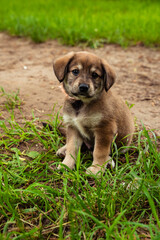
(12, 100)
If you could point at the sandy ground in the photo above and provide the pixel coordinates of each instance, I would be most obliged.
(27, 66)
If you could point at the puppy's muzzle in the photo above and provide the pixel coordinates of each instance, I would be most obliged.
(83, 88)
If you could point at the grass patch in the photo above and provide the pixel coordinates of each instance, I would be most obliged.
(39, 202)
(12, 100)
(125, 22)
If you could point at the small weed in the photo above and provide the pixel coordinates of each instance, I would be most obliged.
(12, 100)
(129, 105)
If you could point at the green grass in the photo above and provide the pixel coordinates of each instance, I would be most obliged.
(124, 22)
(12, 100)
(39, 202)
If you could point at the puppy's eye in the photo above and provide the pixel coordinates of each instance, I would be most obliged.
(94, 75)
(75, 72)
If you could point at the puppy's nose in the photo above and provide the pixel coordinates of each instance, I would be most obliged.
(83, 88)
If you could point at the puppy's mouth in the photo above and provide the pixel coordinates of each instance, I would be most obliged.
(80, 95)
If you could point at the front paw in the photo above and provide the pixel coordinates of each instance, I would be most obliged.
(111, 163)
(69, 162)
(95, 169)
(61, 152)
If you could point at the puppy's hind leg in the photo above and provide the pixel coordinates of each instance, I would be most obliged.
(124, 144)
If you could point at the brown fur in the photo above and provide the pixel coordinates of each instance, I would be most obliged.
(93, 115)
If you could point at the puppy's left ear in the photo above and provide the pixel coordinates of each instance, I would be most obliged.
(109, 75)
(60, 65)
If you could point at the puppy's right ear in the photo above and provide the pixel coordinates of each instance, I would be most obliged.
(60, 65)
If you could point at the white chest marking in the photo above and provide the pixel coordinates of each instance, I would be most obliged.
(83, 122)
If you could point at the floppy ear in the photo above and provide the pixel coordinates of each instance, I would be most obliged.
(109, 75)
(60, 65)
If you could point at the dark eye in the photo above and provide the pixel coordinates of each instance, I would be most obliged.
(94, 75)
(75, 72)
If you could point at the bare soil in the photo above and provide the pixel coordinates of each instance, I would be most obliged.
(27, 66)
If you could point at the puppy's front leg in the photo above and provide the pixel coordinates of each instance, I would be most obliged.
(61, 152)
(103, 141)
(73, 143)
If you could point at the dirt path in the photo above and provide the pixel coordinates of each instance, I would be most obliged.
(27, 66)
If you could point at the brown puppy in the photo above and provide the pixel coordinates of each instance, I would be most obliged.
(91, 112)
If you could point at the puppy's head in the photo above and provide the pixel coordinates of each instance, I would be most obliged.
(84, 75)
